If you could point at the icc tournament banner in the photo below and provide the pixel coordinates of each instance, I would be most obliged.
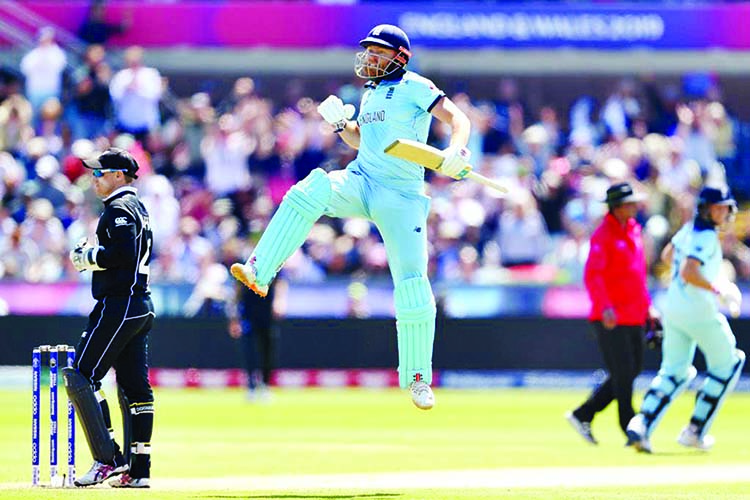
(444, 25)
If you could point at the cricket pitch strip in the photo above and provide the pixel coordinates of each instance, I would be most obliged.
(505, 478)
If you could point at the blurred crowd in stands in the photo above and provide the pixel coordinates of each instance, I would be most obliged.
(215, 167)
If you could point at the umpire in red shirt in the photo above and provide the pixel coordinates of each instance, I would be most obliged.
(615, 278)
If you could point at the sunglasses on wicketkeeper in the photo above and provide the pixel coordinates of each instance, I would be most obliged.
(99, 172)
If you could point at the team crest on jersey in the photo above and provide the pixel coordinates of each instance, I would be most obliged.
(121, 221)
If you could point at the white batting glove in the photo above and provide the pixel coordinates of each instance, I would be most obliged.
(83, 257)
(730, 296)
(334, 111)
(456, 162)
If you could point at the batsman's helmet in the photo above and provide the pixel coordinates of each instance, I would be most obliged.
(716, 196)
(388, 36)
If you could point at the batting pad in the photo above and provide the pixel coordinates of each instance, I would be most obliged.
(127, 431)
(90, 415)
(303, 204)
(715, 389)
(663, 391)
(415, 325)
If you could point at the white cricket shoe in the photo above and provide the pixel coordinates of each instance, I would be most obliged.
(637, 434)
(245, 274)
(421, 395)
(689, 437)
(125, 481)
(99, 473)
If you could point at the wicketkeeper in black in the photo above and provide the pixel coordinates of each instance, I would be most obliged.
(118, 328)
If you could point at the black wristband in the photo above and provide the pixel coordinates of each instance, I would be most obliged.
(89, 255)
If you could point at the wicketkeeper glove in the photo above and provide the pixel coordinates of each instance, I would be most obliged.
(334, 111)
(456, 162)
(83, 256)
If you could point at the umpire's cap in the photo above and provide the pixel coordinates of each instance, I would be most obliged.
(114, 159)
(621, 193)
(389, 36)
(716, 196)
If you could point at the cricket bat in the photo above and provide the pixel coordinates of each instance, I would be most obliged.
(431, 158)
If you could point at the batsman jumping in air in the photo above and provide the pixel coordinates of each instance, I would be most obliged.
(691, 318)
(385, 190)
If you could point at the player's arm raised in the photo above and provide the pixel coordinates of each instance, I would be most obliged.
(339, 116)
(456, 155)
(350, 134)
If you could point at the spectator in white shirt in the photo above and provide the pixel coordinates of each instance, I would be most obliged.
(157, 194)
(43, 67)
(225, 150)
(619, 110)
(522, 233)
(136, 91)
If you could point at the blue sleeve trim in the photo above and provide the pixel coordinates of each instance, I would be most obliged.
(434, 103)
(696, 258)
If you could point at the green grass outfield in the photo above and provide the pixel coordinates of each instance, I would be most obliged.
(373, 444)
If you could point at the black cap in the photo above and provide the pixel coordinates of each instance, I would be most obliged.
(116, 159)
(621, 193)
(716, 196)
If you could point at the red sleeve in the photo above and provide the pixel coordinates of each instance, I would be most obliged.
(594, 272)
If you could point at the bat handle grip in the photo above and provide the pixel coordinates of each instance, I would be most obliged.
(487, 182)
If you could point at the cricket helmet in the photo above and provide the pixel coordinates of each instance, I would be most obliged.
(388, 36)
(715, 196)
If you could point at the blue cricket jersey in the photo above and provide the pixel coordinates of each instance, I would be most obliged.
(394, 110)
(701, 243)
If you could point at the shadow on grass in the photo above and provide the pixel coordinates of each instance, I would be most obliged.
(686, 453)
(374, 496)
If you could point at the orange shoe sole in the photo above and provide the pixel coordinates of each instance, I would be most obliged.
(238, 273)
